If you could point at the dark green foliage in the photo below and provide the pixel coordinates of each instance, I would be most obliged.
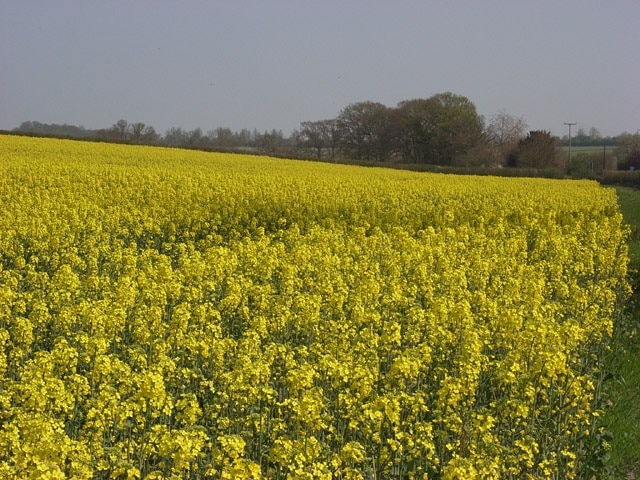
(537, 150)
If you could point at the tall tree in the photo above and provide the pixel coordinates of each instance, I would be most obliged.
(440, 129)
(120, 129)
(136, 132)
(415, 129)
(364, 131)
(594, 135)
(580, 137)
(459, 128)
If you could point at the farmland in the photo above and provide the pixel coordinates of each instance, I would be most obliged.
(598, 149)
(177, 314)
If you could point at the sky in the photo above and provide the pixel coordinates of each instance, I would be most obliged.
(272, 64)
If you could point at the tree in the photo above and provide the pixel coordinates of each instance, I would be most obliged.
(141, 133)
(149, 135)
(312, 136)
(416, 124)
(195, 139)
(459, 128)
(120, 130)
(501, 136)
(137, 130)
(537, 150)
(332, 133)
(504, 130)
(55, 129)
(175, 137)
(224, 138)
(628, 151)
(269, 142)
(245, 137)
(581, 138)
(320, 136)
(441, 129)
(364, 131)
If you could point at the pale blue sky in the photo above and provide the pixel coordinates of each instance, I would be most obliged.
(274, 63)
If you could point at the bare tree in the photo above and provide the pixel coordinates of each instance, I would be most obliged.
(136, 131)
(505, 130)
(223, 137)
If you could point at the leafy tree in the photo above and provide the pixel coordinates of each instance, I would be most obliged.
(581, 137)
(441, 129)
(459, 128)
(416, 125)
(364, 131)
(580, 164)
(537, 150)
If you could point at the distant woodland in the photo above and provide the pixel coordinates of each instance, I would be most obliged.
(442, 130)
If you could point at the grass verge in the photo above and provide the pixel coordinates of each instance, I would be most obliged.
(622, 419)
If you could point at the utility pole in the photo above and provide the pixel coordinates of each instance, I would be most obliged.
(570, 124)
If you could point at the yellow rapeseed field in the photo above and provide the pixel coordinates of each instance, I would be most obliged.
(171, 314)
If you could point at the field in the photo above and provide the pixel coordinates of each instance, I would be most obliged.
(588, 150)
(178, 314)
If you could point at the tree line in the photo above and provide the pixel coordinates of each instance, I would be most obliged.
(140, 133)
(444, 129)
(590, 138)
